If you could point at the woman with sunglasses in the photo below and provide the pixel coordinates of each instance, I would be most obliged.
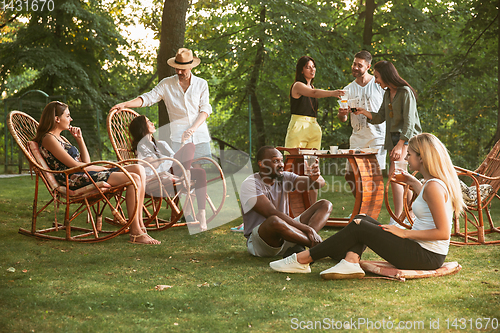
(61, 155)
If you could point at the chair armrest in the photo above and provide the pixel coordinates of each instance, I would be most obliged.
(474, 174)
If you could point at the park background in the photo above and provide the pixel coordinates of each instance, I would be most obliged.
(94, 54)
(89, 54)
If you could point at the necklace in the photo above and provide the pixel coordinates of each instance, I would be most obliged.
(391, 99)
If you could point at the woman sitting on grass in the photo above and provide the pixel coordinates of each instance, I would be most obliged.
(147, 148)
(423, 247)
(61, 155)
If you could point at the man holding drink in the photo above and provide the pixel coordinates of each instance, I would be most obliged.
(364, 93)
(269, 229)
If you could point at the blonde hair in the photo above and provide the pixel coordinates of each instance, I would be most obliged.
(437, 162)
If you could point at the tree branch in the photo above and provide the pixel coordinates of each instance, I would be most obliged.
(478, 38)
(145, 87)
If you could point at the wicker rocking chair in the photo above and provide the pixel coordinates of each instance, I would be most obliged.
(117, 124)
(96, 199)
(479, 198)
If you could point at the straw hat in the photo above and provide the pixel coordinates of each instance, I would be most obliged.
(184, 59)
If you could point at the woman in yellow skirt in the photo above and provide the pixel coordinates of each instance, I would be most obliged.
(303, 130)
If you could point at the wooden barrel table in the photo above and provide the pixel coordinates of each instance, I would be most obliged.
(369, 196)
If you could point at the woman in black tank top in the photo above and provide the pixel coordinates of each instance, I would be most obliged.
(303, 130)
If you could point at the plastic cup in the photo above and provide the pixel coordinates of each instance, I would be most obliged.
(309, 160)
(346, 95)
(353, 104)
(343, 103)
(403, 165)
(334, 149)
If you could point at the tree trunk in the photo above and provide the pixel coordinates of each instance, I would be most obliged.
(252, 87)
(173, 28)
(368, 28)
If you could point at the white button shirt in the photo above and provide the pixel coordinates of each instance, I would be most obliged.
(183, 107)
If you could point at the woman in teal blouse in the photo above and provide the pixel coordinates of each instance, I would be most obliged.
(399, 111)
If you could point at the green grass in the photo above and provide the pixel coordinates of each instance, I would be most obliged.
(66, 287)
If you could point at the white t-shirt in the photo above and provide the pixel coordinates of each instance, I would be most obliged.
(365, 134)
(146, 149)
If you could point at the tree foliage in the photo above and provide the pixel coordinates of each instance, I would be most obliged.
(72, 50)
(447, 50)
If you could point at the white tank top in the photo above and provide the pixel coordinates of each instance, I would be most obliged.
(424, 220)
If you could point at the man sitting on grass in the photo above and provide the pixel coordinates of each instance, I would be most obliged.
(269, 230)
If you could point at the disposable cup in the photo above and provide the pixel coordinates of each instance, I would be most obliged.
(398, 166)
(308, 162)
(334, 149)
(343, 103)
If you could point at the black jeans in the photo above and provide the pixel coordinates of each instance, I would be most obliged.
(355, 237)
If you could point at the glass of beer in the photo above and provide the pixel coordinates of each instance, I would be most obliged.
(398, 167)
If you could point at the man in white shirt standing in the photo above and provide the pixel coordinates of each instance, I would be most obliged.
(187, 99)
(369, 96)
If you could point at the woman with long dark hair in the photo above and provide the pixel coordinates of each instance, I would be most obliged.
(399, 111)
(149, 149)
(303, 129)
(61, 155)
(424, 247)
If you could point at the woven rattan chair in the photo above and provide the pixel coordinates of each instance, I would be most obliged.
(96, 199)
(117, 124)
(484, 189)
(406, 217)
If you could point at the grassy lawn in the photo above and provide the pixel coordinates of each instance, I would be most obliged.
(216, 285)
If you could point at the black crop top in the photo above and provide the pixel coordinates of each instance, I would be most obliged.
(304, 106)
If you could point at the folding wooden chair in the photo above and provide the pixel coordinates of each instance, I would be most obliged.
(96, 199)
(117, 123)
(479, 198)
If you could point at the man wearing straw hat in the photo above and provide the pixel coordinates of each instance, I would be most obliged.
(187, 99)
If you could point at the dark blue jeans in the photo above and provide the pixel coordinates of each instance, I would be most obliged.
(403, 253)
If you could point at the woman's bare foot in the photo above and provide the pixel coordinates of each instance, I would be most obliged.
(202, 219)
(143, 238)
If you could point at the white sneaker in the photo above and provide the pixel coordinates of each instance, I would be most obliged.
(290, 265)
(343, 270)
